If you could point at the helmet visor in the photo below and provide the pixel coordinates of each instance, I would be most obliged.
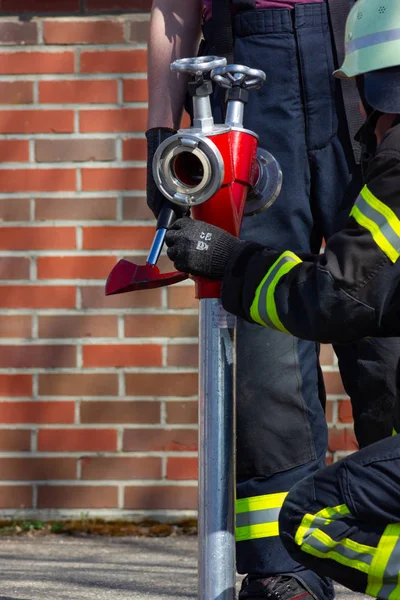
(382, 89)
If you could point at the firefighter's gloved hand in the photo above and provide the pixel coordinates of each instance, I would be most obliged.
(199, 248)
(155, 136)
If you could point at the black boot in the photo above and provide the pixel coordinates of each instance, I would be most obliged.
(275, 587)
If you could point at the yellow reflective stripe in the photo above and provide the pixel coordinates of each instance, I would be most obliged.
(255, 504)
(376, 233)
(394, 432)
(339, 551)
(382, 208)
(271, 304)
(327, 513)
(325, 539)
(253, 532)
(289, 260)
(332, 511)
(377, 569)
(380, 220)
(357, 547)
(260, 502)
(337, 556)
(304, 526)
(348, 562)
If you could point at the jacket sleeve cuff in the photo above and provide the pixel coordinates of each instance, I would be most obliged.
(233, 282)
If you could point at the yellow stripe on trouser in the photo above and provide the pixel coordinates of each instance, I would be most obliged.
(380, 221)
(252, 505)
(336, 556)
(316, 542)
(377, 572)
(324, 516)
(264, 304)
(381, 564)
(255, 532)
(333, 548)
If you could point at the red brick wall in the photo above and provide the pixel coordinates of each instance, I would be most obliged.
(98, 395)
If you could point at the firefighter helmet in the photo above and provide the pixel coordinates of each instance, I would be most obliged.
(372, 49)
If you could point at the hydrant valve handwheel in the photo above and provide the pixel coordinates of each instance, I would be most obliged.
(238, 76)
(199, 65)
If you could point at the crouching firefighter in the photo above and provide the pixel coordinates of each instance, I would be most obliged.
(352, 290)
(344, 521)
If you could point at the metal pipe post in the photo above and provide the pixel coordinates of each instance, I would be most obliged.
(217, 437)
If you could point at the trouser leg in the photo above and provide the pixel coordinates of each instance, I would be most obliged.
(343, 521)
(281, 439)
(281, 425)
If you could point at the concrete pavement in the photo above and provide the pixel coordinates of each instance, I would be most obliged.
(97, 568)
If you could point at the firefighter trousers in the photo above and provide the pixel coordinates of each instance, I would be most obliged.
(344, 521)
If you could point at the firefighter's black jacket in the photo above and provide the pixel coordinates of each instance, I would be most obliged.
(350, 291)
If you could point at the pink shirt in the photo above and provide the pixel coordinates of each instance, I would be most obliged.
(261, 4)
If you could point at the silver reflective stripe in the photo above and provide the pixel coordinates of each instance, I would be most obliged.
(340, 549)
(262, 301)
(256, 517)
(380, 220)
(317, 523)
(372, 39)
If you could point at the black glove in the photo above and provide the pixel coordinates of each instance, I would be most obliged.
(155, 136)
(199, 248)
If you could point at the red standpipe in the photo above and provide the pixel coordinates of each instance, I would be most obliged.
(225, 208)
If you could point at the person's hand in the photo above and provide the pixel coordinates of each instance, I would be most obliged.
(155, 136)
(199, 249)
